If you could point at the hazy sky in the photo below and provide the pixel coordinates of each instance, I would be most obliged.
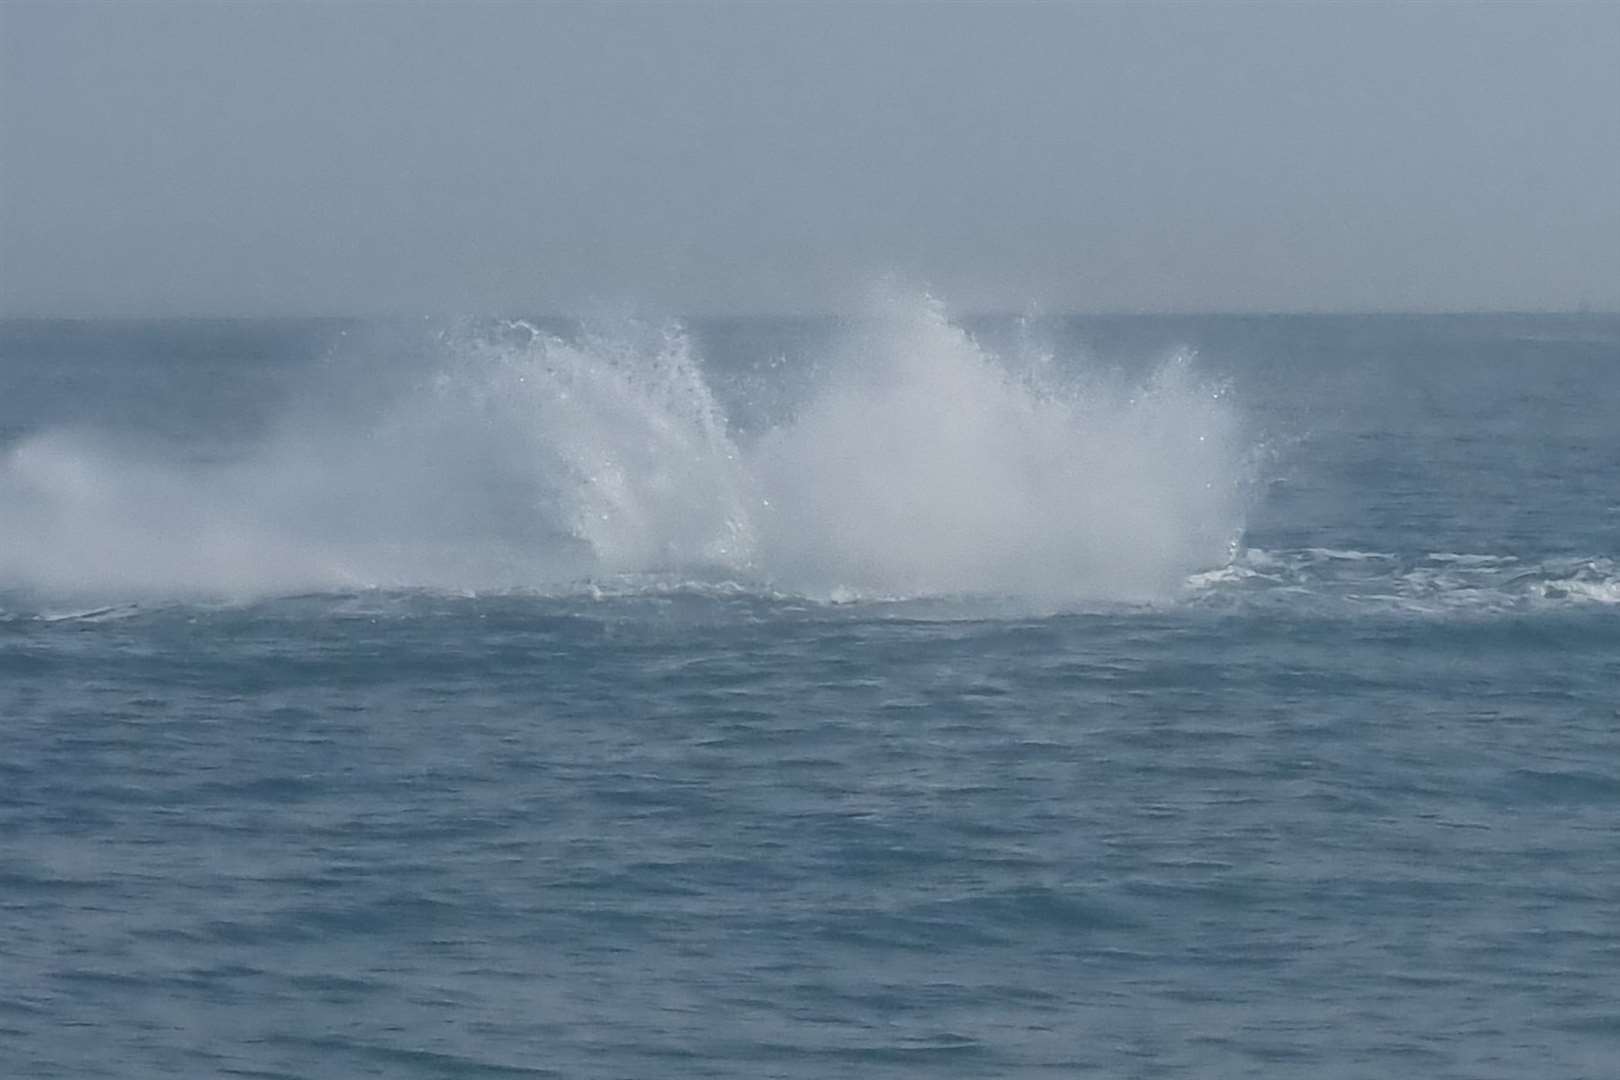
(340, 157)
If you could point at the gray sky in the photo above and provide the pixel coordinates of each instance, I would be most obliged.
(340, 157)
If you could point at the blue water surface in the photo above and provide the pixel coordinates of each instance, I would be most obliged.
(1344, 804)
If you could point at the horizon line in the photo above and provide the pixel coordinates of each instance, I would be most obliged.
(1581, 311)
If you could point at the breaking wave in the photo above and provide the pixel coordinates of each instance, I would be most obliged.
(918, 463)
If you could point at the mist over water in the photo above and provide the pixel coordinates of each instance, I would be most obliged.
(918, 462)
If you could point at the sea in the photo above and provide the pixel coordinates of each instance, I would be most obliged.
(903, 693)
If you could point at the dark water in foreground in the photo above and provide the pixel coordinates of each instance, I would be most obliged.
(501, 751)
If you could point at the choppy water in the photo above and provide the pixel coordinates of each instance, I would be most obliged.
(900, 696)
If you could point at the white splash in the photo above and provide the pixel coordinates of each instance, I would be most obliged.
(927, 466)
(921, 464)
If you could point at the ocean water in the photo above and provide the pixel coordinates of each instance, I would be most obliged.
(899, 695)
